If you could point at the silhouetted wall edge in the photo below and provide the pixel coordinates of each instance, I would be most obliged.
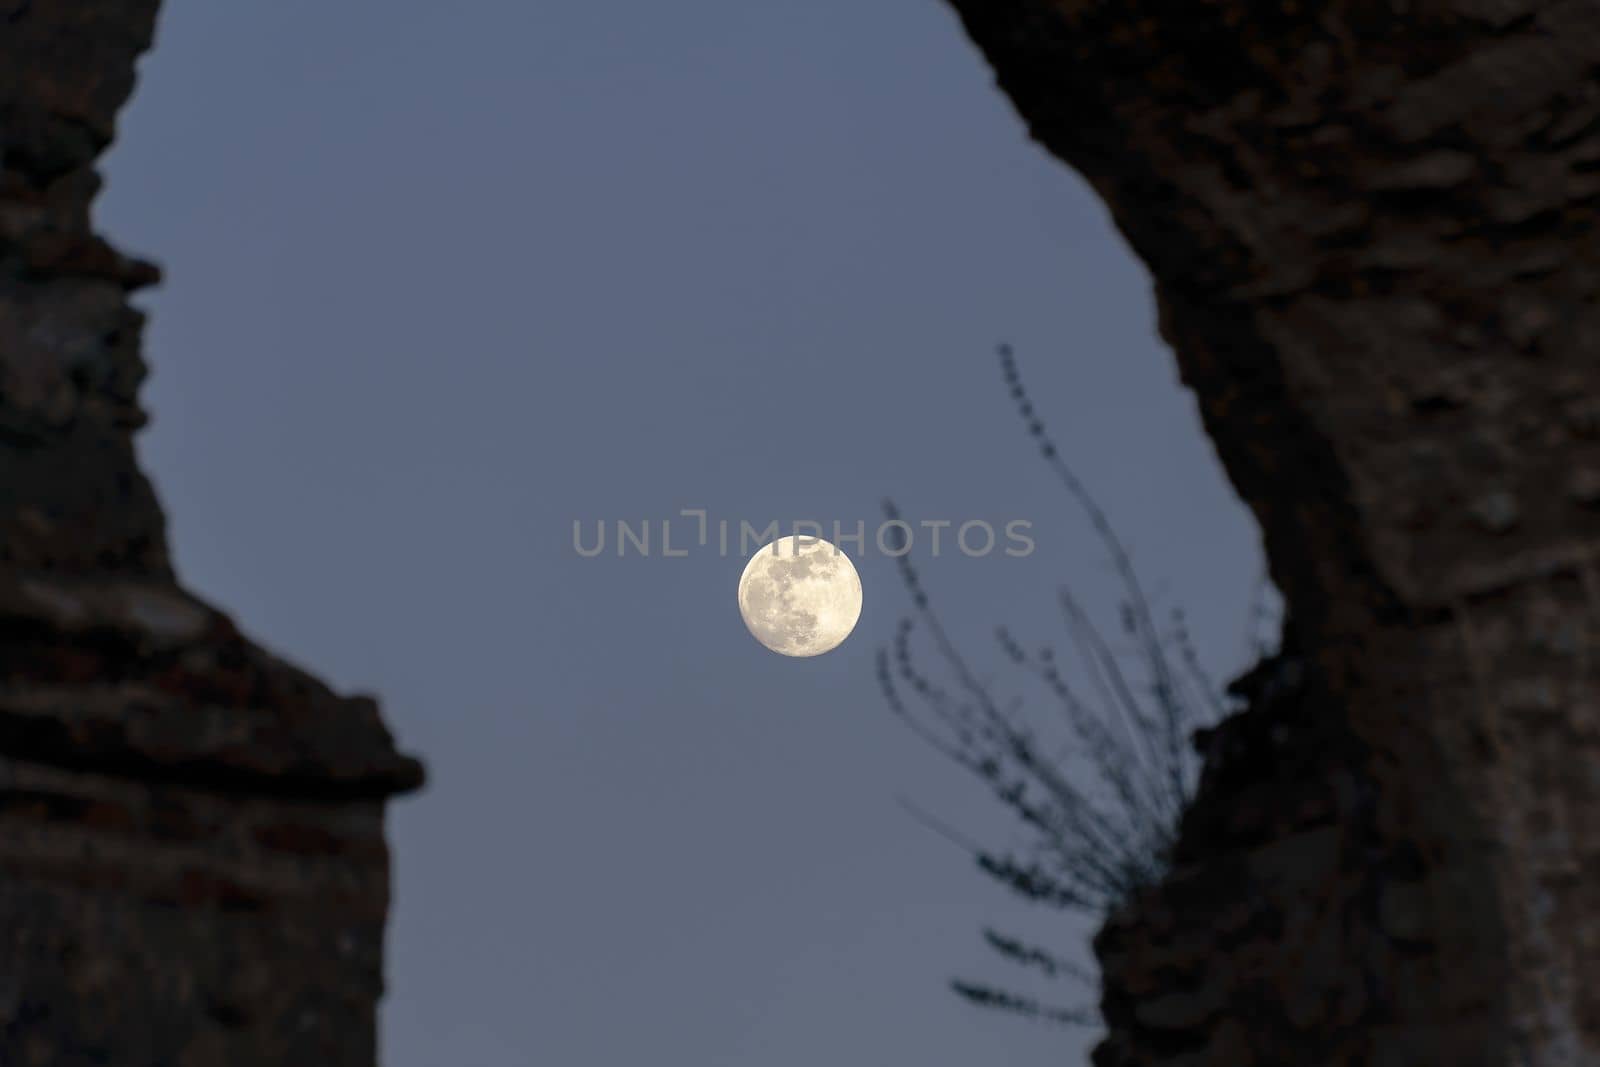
(193, 870)
(1372, 233)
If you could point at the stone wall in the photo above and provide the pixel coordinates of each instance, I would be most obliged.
(1372, 229)
(192, 864)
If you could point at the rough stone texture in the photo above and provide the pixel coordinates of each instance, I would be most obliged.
(1372, 231)
(192, 864)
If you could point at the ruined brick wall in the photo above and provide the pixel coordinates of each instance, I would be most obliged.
(192, 864)
(1372, 228)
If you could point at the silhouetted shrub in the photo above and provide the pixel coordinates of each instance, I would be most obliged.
(1101, 826)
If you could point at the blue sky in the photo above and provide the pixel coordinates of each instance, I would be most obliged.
(442, 279)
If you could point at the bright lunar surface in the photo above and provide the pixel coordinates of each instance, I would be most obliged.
(802, 599)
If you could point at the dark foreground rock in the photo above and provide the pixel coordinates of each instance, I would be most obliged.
(1372, 229)
(192, 864)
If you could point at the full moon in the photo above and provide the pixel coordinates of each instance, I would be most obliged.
(800, 596)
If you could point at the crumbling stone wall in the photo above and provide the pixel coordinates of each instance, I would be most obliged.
(1372, 228)
(192, 864)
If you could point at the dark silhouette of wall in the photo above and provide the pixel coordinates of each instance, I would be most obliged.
(192, 864)
(1372, 232)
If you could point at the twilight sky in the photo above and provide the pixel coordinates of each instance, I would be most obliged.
(442, 279)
